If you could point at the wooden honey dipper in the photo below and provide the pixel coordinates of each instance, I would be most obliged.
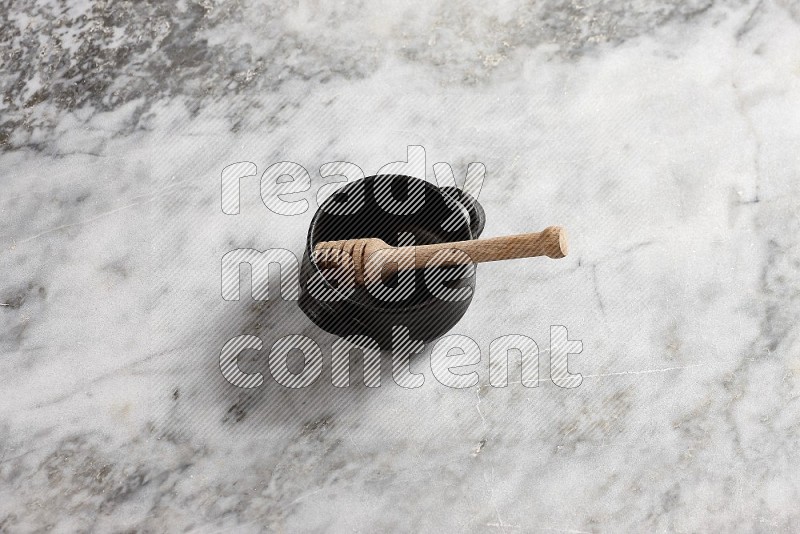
(550, 242)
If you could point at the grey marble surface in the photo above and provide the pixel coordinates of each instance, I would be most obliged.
(664, 135)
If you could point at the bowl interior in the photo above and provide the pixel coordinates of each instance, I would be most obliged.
(426, 225)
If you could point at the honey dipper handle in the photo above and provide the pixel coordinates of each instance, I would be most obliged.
(550, 242)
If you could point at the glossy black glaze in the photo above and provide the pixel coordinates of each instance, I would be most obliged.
(446, 215)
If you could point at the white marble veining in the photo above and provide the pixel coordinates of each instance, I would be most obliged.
(663, 136)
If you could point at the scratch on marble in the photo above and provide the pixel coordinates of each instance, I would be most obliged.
(597, 289)
(617, 253)
(491, 481)
(109, 374)
(645, 371)
(357, 448)
(565, 530)
(757, 149)
(749, 21)
(503, 526)
(150, 198)
(306, 496)
(625, 373)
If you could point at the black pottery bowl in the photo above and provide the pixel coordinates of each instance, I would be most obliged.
(359, 210)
